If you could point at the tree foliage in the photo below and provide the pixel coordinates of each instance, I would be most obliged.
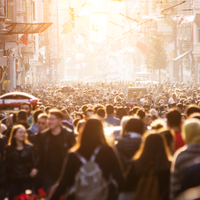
(156, 58)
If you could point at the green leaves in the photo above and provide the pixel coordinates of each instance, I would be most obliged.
(156, 57)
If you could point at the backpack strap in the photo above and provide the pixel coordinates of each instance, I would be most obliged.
(96, 151)
(92, 159)
(81, 158)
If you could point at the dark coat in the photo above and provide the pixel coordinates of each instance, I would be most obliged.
(19, 165)
(106, 160)
(190, 178)
(67, 142)
(128, 146)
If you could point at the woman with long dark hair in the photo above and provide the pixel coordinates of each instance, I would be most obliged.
(91, 148)
(19, 162)
(150, 172)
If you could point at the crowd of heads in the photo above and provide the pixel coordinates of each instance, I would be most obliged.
(157, 124)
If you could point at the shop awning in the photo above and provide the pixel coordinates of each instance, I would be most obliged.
(183, 55)
(26, 28)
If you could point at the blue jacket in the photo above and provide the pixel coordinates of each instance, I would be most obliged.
(112, 120)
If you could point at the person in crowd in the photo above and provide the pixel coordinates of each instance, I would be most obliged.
(91, 148)
(80, 126)
(184, 156)
(121, 112)
(66, 119)
(34, 127)
(110, 119)
(22, 119)
(141, 114)
(192, 109)
(27, 107)
(158, 124)
(150, 172)
(9, 127)
(124, 122)
(101, 113)
(19, 163)
(88, 113)
(53, 147)
(42, 126)
(174, 122)
(35, 140)
(190, 181)
(169, 137)
(2, 179)
(131, 139)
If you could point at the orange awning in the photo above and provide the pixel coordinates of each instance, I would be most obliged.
(26, 28)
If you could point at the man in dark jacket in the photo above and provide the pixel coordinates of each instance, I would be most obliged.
(53, 147)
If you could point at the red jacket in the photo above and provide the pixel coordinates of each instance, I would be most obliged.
(178, 141)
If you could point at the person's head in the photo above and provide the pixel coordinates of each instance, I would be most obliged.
(75, 122)
(123, 122)
(121, 112)
(191, 131)
(195, 115)
(141, 114)
(79, 115)
(180, 107)
(158, 124)
(42, 122)
(47, 108)
(173, 118)
(134, 125)
(192, 109)
(27, 107)
(36, 114)
(101, 112)
(109, 109)
(80, 126)
(134, 110)
(91, 137)
(18, 134)
(22, 116)
(153, 154)
(65, 114)
(84, 108)
(55, 118)
(88, 113)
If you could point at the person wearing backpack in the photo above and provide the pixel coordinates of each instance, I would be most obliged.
(150, 172)
(91, 168)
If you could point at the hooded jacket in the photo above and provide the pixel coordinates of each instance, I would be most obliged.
(185, 156)
(128, 146)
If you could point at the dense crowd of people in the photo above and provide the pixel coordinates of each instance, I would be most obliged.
(94, 144)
